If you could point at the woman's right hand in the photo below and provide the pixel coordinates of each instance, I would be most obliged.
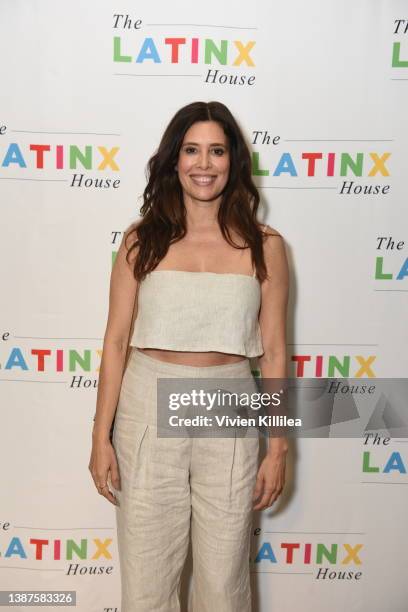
(102, 464)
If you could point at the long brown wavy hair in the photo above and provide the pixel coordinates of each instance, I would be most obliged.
(163, 211)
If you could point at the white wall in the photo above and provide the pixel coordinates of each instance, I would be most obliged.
(322, 82)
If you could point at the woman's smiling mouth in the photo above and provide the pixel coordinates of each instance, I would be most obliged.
(202, 179)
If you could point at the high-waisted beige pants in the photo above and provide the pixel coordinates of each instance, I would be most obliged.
(171, 487)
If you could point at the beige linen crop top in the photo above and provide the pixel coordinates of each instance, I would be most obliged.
(199, 311)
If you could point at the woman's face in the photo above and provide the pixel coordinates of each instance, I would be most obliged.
(204, 161)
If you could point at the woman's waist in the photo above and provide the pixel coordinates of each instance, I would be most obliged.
(196, 359)
(142, 368)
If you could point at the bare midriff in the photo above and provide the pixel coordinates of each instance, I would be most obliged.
(208, 358)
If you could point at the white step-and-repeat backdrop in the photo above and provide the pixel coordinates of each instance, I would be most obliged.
(320, 89)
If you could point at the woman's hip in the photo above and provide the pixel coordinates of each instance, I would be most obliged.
(150, 387)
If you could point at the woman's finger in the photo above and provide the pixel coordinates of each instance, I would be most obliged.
(258, 486)
(263, 503)
(106, 492)
(114, 475)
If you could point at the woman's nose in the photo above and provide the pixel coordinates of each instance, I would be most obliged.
(204, 160)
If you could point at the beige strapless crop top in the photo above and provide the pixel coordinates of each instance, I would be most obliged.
(199, 311)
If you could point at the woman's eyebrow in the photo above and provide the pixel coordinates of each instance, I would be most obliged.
(213, 144)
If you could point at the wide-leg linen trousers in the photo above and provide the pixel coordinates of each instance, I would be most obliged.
(174, 487)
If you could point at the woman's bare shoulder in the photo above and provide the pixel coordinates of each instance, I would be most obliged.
(274, 249)
(130, 236)
(132, 229)
(271, 234)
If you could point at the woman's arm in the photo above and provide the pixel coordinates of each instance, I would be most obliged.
(272, 319)
(122, 308)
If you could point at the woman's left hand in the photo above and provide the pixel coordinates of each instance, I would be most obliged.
(270, 480)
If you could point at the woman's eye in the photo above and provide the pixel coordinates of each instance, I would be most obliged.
(218, 151)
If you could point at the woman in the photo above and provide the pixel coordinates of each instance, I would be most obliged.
(209, 288)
